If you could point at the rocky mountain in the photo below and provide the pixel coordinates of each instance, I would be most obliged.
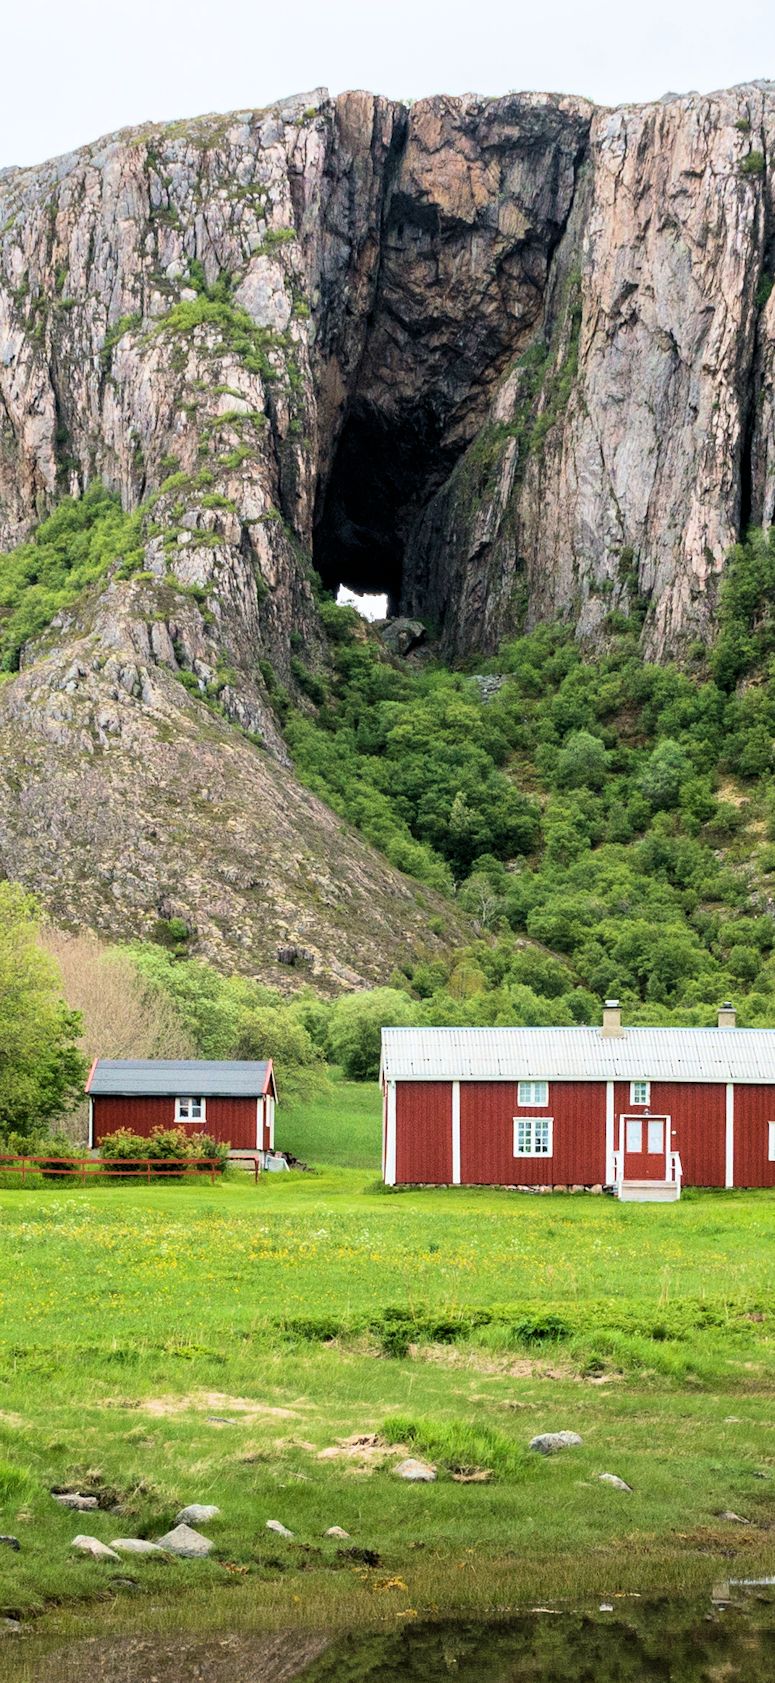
(502, 359)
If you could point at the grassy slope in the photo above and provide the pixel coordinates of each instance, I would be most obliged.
(341, 1125)
(115, 1296)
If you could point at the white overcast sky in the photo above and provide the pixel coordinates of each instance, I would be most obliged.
(76, 69)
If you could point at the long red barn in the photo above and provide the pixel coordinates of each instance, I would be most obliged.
(232, 1101)
(638, 1110)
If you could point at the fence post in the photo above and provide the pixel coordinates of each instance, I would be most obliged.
(24, 1170)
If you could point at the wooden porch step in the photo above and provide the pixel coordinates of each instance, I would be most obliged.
(649, 1192)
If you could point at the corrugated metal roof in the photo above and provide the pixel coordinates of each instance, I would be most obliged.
(578, 1054)
(179, 1077)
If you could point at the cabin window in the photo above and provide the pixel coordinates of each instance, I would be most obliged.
(189, 1110)
(532, 1092)
(640, 1092)
(532, 1136)
(633, 1134)
(771, 1142)
(655, 1138)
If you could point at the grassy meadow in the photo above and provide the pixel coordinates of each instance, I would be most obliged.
(169, 1344)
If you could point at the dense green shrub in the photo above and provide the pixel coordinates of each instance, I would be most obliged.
(172, 1150)
(70, 550)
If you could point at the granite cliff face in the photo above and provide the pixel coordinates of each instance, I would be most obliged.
(504, 359)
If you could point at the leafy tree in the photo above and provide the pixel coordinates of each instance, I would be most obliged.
(583, 762)
(355, 1032)
(41, 1069)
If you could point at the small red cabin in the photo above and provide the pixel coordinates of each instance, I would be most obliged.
(636, 1110)
(232, 1101)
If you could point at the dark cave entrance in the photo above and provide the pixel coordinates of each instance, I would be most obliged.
(384, 470)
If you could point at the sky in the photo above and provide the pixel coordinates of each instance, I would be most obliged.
(73, 72)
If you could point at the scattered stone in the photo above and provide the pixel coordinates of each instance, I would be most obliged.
(93, 1547)
(11, 1543)
(279, 1529)
(10, 1627)
(135, 1545)
(73, 1499)
(606, 1607)
(611, 1478)
(416, 1472)
(197, 1513)
(550, 1443)
(188, 1544)
(736, 1519)
(336, 1531)
(219, 1420)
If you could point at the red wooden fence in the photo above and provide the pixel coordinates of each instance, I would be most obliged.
(118, 1168)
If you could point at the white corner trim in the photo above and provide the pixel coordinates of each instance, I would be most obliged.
(390, 1136)
(259, 1124)
(456, 1133)
(610, 1143)
(270, 1118)
(91, 1123)
(729, 1176)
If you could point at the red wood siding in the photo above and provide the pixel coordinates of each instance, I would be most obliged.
(698, 1112)
(424, 1133)
(754, 1108)
(487, 1111)
(227, 1119)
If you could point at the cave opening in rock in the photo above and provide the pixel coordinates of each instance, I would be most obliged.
(384, 470)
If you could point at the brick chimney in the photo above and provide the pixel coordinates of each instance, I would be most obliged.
(727, 1016)
(612, 1019)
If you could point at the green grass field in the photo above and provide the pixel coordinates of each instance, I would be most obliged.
(169, 1344)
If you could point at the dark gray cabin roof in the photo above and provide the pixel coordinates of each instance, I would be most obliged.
(181, 1078)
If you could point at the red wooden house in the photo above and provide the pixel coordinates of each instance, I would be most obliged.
(232, 1101)
(637, 1110)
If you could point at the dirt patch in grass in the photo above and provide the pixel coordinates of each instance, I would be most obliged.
(366, 1448)
(217, 1403)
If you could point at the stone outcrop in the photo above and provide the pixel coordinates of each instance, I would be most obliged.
(500, 359)
(503, 358)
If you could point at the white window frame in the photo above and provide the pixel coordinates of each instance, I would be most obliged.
(526, 1128)
(529, 1088)
(771, 1142)
(634, 1086)
(185, 1115)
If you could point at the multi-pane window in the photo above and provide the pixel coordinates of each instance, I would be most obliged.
(189, 1110)
(640, 1092)
(532, 1092)
(532, 1136)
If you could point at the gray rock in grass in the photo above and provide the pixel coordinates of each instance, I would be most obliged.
(550, 1443)
(198, 1513)
(736, 1518)
(279, 1529)
(416, 1472)
(11, 1543)
(186, 1543)
(612, 1478)
(73, 1499)
(336, 1531)
(94, 1548)
(135, 1545)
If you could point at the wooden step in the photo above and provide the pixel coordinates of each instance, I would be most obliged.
(649, 1192)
